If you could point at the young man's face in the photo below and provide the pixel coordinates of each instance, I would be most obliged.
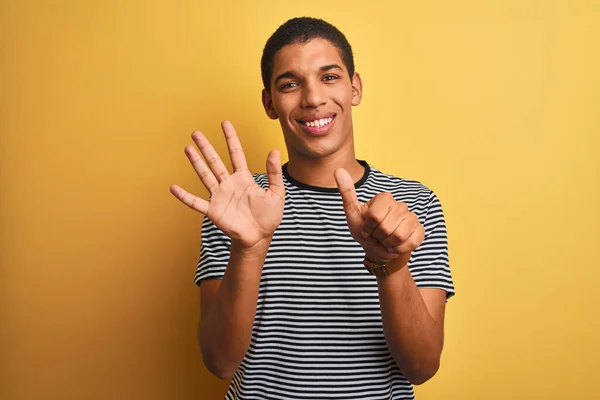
(312, 96)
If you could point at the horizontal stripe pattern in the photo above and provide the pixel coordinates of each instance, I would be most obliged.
(318, 331)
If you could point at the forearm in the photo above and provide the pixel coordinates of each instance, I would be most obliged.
(225, 332)
(414, 338)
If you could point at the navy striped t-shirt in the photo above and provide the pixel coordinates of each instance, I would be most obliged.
(318, 332)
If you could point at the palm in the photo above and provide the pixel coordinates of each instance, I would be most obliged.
(244, 211)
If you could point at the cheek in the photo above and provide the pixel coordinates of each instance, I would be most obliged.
(284, 105)
(343, 98)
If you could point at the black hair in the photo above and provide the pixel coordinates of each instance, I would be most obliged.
(302, 30)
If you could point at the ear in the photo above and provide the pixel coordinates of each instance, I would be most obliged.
(268, 105)
(356, 89)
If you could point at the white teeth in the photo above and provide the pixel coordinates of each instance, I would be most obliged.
(319, 122)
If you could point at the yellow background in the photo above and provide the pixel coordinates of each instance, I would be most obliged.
(494, 105)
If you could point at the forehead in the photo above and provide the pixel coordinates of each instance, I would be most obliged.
(306, 58)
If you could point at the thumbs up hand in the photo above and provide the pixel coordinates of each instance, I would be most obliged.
(384, 227)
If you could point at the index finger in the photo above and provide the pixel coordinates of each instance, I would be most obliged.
(236, 153)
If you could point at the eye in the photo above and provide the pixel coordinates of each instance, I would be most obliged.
(288, 85)
(330, 77)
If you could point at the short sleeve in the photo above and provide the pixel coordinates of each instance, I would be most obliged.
(429, 263)
(214, 253)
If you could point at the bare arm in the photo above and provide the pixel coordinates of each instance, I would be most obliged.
(413, 324)
(248, 215)
(228, 309)
(413, 318)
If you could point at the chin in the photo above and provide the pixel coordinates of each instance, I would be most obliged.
(318, 152)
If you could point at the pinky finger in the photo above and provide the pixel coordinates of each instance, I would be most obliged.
(190, 200)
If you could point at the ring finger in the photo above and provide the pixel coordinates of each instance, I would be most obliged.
(204, 173)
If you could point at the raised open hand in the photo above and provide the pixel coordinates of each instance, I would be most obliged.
(244, 211)
(384, 227)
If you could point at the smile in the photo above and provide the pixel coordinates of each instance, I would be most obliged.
(317, 126)
(317, 123)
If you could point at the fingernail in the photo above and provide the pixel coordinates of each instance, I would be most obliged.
(364, 234)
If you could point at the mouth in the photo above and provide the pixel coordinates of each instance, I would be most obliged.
(317, 126)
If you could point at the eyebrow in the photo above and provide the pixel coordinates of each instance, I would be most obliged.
(290, 74)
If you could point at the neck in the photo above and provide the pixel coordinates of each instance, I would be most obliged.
(319, 171)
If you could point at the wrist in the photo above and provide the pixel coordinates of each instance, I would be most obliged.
(257, 250)
(382, 269)
(376, 260)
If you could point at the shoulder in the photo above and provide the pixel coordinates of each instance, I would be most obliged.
(409, 191)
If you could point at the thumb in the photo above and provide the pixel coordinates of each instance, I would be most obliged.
(274, 173)
(352, 206)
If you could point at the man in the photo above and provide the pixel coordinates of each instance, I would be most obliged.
(324, 278)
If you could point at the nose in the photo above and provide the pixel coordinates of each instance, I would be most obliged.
(313, 94)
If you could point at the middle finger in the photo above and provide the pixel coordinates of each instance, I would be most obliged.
(210, 155)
